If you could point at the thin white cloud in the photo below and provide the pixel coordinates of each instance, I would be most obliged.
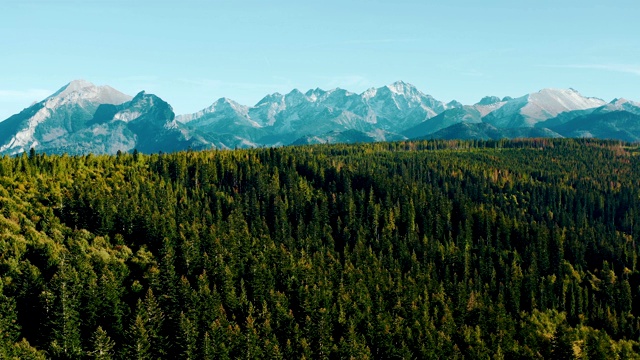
(629, 69)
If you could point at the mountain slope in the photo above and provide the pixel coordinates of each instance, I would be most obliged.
(615, 105)
(620, 125)
(528, 110)
(146, 123)
(62, 113)
(484, 131)
(281, 119)
(82, 118)
(348, 137)
(465, 114)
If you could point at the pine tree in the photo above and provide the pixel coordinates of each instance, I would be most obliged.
(139, 340)
(102, 345)
(65, 318)
(9, 326)
(188, 338)
(146, 340)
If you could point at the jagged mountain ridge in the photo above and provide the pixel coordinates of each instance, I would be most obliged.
(281, 119)
(62, 113)
(82, 118)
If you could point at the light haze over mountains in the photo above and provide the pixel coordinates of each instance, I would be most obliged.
(191, 52)
(84, 118)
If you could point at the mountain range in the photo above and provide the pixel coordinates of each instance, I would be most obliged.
(84, 118)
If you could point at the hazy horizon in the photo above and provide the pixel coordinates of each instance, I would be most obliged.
(191, 53)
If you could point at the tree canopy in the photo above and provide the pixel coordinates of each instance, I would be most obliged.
(425, 249)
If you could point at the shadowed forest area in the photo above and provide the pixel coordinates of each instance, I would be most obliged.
(522, 249)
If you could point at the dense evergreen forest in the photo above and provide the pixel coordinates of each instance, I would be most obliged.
(520, 249)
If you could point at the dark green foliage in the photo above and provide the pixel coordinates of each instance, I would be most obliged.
(102, 346)
(426, 249)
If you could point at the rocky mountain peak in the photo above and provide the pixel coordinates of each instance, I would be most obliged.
(295, 98)
(489, 100)
(271, 98)
(315, 94)
(74, 86)
(454, 104)
(82, 111)
(401, 87)
(85, 90)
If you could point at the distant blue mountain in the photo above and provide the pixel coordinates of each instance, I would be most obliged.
(81, 118)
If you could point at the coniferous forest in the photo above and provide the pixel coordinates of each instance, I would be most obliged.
(521, 249)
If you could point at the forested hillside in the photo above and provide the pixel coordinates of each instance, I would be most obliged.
(428, 249)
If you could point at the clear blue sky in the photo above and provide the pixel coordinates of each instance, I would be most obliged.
(192, 52)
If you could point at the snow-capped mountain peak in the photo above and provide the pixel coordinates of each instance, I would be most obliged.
(271, 98)
(624, 102)
(566, 98)
(295, 114)
(551, 102)
(490, 103)
(530, 109)
(225, 104)
(222, 105)
(64, 111)
(73, 86)
(620, 105)
(78, 90)
(315, 94)
(402, 88)
(82, 115)
(369, 93)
